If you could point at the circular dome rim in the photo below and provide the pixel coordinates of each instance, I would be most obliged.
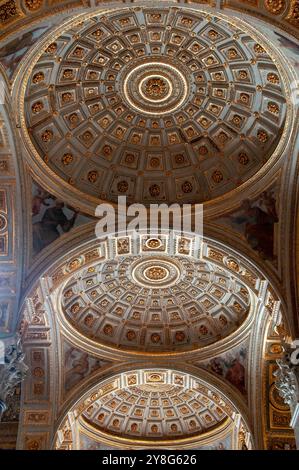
(214, 383)
(100, 348)
(87, 202)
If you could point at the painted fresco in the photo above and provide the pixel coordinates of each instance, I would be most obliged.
(78, 365)
(256, 221)
(12, 53)
(51, 218)
(232, 366)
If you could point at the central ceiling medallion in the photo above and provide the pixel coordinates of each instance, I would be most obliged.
(156, 272)
(155, 87)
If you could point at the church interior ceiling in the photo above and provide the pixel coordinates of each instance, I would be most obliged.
(107, 105)
(135, 341)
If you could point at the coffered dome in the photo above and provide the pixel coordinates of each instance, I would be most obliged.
(153, 404)
(157, 105)
(155, 303)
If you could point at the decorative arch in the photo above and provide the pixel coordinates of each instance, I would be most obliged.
(66, 365)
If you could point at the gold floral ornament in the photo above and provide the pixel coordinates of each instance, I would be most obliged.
(196, 48)
(232, 54)
(154, 162)
(218, 76)
(73, 119)
(232, 264)
(156, 87)
(8, 10)
(210, 60)
(89, 320)
(122, 186)
(78, 52)
(38, 77)
(259, 49)
(67, 159)
(33, 5)
(107, 150)
(108, 330)
(223, 320)
(203, 330)
(214, 109)
(156, 17)
(131, 335)
(155, 338)
(217, 176)
(275, 6)
(243, 158)
(216, 255)
(273, 78)
(68, 294)
(52, 48)
(173, 139)
(273, 107)
(134, 38)
(293, 15)
(213, 34)
(243, 75)
(154, 140)
(223, 137)
(37, 107)
(204, 122)
(219, 92)
(87, 137)
(95, 108)
(237, 307)
(92, 176)
(97, 34)
(119, 310)
(47, 135)
(75, 308)
(244, 98)
(154, 190)
(68, 74)
(119, 132)
(262, 136)
(180, 336)
(203, 150)
(66, 97)
(129, 158)
(179, 159)
(187, 187)
(116, 423)
(124, 21)
(186, 21)
(237, 120)
(156, 273)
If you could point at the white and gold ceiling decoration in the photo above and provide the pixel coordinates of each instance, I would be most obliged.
(157, 105)
(155, 303)
(107, 311)
(149, 405)
(156, 295)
